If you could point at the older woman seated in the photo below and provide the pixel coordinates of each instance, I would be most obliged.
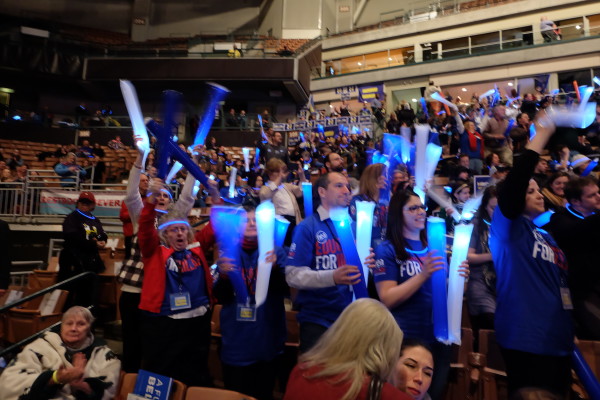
(69, 365)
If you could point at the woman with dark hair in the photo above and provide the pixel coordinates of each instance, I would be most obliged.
(533, 321)
(481, 289)
(415, 369)
(554, 191)
(404, 266)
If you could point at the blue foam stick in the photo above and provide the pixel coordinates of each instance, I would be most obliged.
(424, 106)
(589, 168)
(511, 123)
(214, 94)
(543, 218)
(227, 224)
(281, 228)
(308, 198)
(343, 228)
(585, 374)
(170, 100)
(170, 148)
(436, 238)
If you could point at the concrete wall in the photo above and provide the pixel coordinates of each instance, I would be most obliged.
(273, 19)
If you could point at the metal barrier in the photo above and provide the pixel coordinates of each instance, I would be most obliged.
(11, 198)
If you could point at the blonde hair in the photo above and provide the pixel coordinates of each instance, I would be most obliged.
(364, 340)
(369, 179)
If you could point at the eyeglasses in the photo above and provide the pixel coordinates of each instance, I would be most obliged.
(414, 209)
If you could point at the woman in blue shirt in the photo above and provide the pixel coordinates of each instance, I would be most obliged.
(533, 312)
(402, 274)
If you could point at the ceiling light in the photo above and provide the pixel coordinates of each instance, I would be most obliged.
(414, 100)
(578, 27)
(464, 89)
(510, 84)
(359, 63)
(390, 59)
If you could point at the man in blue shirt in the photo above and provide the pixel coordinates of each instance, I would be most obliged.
(316, 264)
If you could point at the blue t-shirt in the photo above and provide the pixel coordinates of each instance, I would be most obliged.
(244, 343)
(530, 270)
(415, 315)
(184, 274)
(315, 245)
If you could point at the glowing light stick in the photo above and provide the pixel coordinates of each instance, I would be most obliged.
(213, 95)
(343, 228)
(308, 200)
(596, 80)
(543, 218)
(532, 131)
(302, 137)
(588, 170)
(406, 133)
(436, 238)
(174, 170)
(439, 98)
(140, 135)
(364, 229)
(227, 224)
(470, 207)
(421, 139)
(582, 117)
(433, 154)
(424, 106)
(456, 283)
(246, 153)
(262, 131)
(265, 225)
(444, 203)
(554, 92)
(486, 94)
(166, 146)
(281, 228)
(232, 177)
(257, 157)
(585, 374)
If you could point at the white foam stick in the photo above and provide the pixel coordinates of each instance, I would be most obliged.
(232, 178)
(265, 225)
(471, 207)
(486, 94)
(174, 170)
(364, 230)
(580, 117)
(406, 133)
(246, 153)
(421, 139)
(439, 98)
(432, 154)
(456, 283)
(140, 135)
(597, 80)
(444, 203)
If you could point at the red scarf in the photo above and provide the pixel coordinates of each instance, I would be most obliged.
(473, 136)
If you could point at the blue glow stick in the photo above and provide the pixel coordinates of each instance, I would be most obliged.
(555, 92)
(281, 228)
(262, 131)
(302, 137)
(405, 145)
(227, 224)
(140, 135)
(232, 177)
(585, 374)
(543, 218)
(424, 106)
(257, 157)
(170, 99)
(364, 230)
(589, 168)
(343, 228)
(214, 94)
(532, 131)
(511, 123)
(308, 198)
(456, 283)
(436, 238)
(174, 170)
(265, 225)
(596, 80)
(421, 140)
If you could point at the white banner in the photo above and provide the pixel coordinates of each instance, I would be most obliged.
(108, 204)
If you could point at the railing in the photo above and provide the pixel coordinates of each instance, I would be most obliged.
(477, 44)
(32, 296)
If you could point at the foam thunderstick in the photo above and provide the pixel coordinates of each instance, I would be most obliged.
(246, 153)
(265, 225)
(140, 135)
(364, 229)
(232, 178)
(213, 95)
(444, 203)
(439, 98)
(436, 238)
(166, 146)
(581, 117)
(585, 374)
(227, 223)
(456, 282)
(262, 131)
(341, 222)
(281, 228)
(308, 200)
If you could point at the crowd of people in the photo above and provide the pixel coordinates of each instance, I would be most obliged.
(534, 282)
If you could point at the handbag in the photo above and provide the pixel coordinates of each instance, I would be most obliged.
(375, 388)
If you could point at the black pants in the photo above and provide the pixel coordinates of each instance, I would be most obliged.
(523, 369)
(479, 322)
(177, 348)
(131, 326)
(442, 355)
(309, 335)
(256, 380)
(288, 236)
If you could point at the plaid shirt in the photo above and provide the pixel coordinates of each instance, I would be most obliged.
(132, 271)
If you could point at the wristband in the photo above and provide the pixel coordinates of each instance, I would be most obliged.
(55, 378)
